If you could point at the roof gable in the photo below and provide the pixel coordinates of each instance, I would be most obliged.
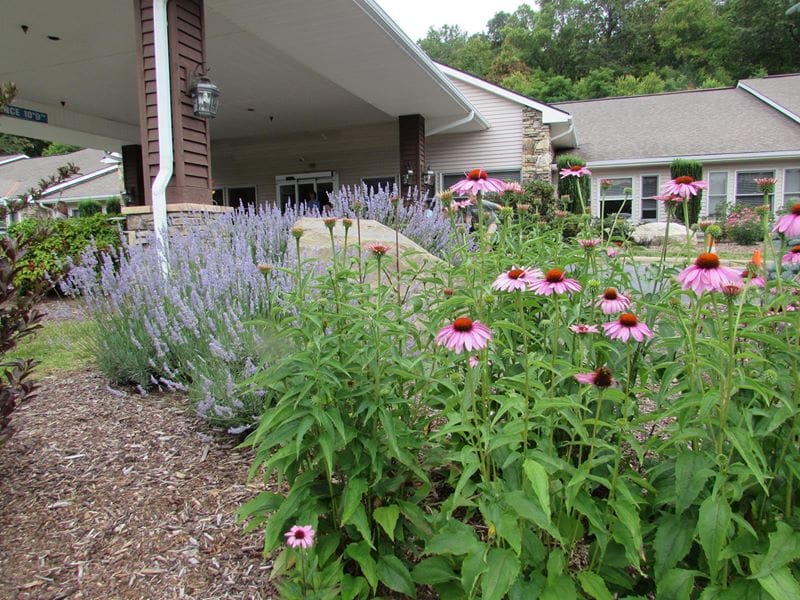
(781, 92)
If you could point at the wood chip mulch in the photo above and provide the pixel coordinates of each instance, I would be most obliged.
(106, 494)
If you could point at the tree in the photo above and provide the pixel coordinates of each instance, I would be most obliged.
(57, 148)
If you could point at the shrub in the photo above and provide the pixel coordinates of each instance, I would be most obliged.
(574, 187)
(113, 206)
(51, 242)
(743, 226)
(87, 208)
(19, 318)
(694, 169)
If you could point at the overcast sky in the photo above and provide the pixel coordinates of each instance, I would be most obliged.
(416, 16)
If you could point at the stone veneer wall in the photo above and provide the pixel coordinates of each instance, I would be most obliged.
(139, 219)
(537, 152)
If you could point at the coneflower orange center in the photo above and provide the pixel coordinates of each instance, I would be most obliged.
(796, 249)
(602, 377)
(628, 320)
(576, 167)
(515, 273)
(476, 174)
(610, 294)
(554, 275)
(462, 324)
(707, 260)
(684, 179)
(796, 209)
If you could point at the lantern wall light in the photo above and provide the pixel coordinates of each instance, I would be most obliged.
(205, 95)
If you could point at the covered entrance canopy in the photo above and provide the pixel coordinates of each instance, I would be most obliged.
(283, 66)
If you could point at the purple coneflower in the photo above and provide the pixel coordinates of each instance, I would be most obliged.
(477, 180)
(627, 327)
(669, 198)
(378, 249)
(464, 203)
(792, 257)
(731, 290)
(789, 224)
(706, 274)
(300, 536)
(574, 171)
(554, 281)
(512, 187)
(752, 278)
(766, 185)
(684, 186)
(611, 301)
(582, 329)
(589, 243)
(516, 279)
(599, 378)
(612, 251)
(464, 334)
(474, 361)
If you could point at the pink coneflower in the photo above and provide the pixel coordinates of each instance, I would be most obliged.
(378, 249)
(731, 290)
(684, 186)
(474, 361)
(582, 329)
(516, 279)
(612, 251)
(477, 180)
(606, 183)
(554, 281)
(627, 327)
(766, 185)
(706, 274)
(752, 278)
(464, 334)
(512, 187)
(789, 224)
(575, 171)
(792, 257)
(589, 243)
(600, 378)
(330, 222)
(669, 198)
(464, 203)
(611, 301)
(300, 536)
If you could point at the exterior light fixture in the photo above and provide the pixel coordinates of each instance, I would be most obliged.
(428, 177)
(408, 176)
(205, 97)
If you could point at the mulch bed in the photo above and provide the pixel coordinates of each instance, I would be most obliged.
(104, 494)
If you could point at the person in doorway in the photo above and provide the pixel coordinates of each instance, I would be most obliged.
(311, 201)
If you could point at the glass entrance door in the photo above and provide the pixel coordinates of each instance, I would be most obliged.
(311, 189)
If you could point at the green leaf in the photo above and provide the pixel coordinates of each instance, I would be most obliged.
(502, 569)
(715, 517)
(353, 587)
(508, 529)
(784, 547)
(433, 570)
(691, 473)
(360, 553)
(353, 493)
(386, 516)
(677, 584)
(359, 519)
(672, 542)
(474, 566)
(540, 482)
(781, 584)
(594, 586)
(394, 575)
(454, 538)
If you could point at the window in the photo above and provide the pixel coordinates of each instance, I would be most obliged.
(649, 203)
(717, 193)
(242, 196)
(791, 187)
(449, 179)
(747, 192)
(376, 184)
(617, 197)
(218, 197)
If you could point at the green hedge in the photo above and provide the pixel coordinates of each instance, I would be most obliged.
(53, 241)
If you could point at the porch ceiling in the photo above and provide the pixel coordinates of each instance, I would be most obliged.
(309, 64)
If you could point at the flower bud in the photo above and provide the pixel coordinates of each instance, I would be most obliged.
(297, 232)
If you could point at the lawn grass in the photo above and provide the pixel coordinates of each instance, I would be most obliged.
(59, 345)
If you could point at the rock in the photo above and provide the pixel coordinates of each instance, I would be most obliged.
(652, 234)
(316, 244)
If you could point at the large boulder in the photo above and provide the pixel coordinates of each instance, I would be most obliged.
(316, 244)
(653, 234)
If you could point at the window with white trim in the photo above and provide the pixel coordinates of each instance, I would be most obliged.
(616, 198)
(717, 192)
(747, 192)
(649, 206)
(791, 187)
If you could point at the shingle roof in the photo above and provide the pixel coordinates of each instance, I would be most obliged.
(98, 187)
(691, 123)
(19, 176)
(783, 90)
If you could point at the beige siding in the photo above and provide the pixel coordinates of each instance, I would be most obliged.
(353, 154)
(497, 148)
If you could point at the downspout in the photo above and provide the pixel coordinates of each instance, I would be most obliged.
(164, 117)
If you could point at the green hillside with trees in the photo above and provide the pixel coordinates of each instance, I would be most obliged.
(579, 49)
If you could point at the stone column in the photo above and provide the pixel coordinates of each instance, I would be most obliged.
(537, 152)
(191, 181)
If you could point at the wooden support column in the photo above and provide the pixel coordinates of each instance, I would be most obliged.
(133, 174)
(412, 150)
(191, 180)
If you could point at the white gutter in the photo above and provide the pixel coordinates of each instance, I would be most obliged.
(705, 158)
(769, 102)
(164, 117)
(14, 158)
(570, 131)
(78, 180)
(452, 125)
